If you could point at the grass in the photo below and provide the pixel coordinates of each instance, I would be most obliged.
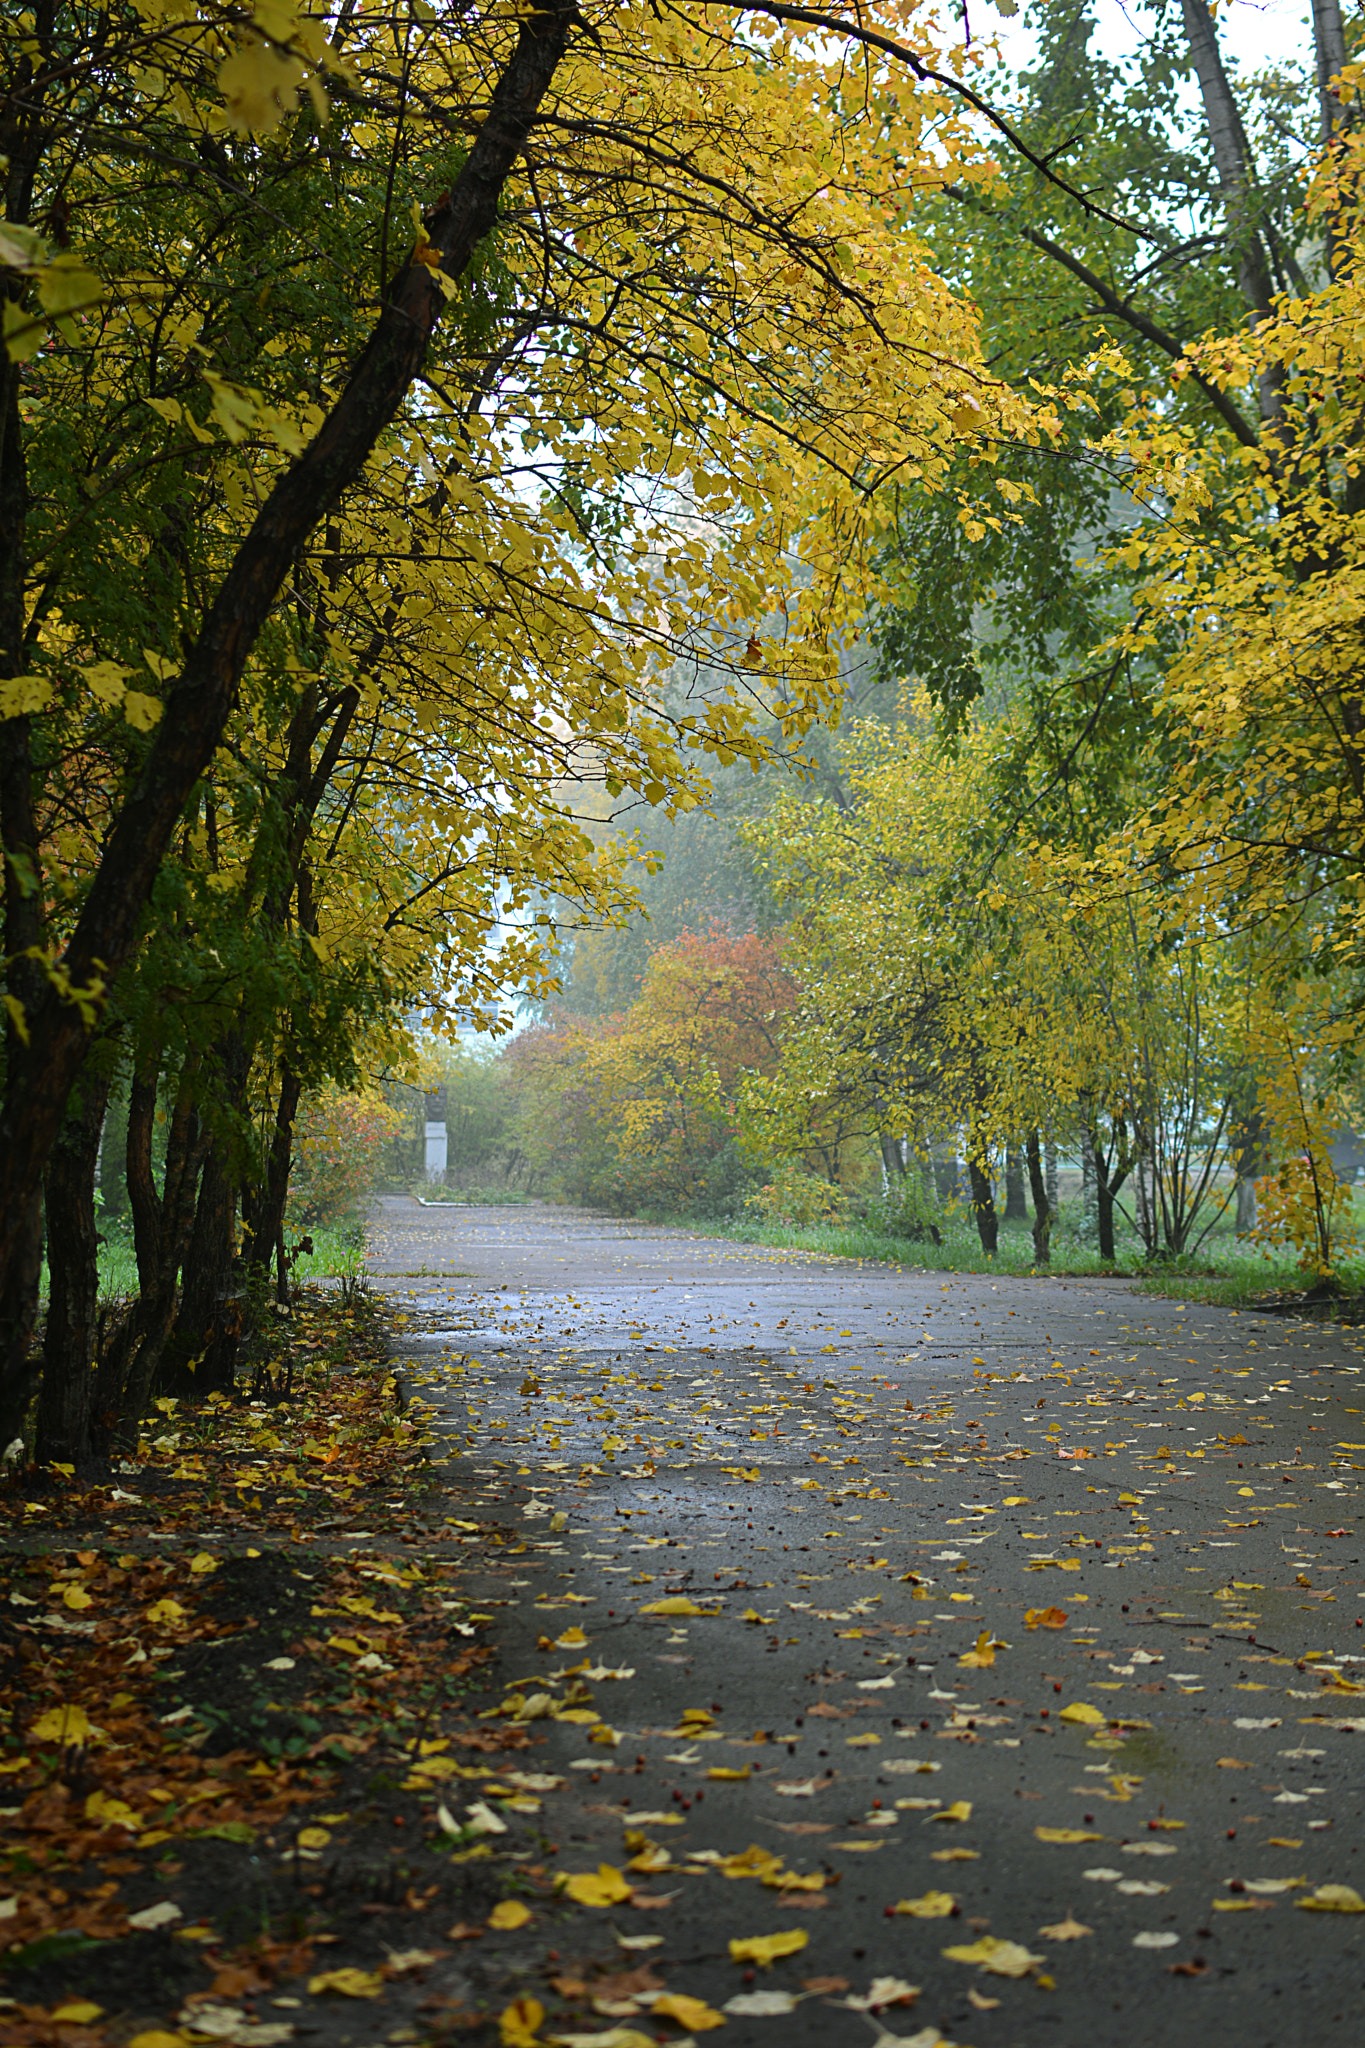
(1227, 1272)
(338, 1253)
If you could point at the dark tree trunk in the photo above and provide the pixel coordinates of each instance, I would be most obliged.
(162, 1225)
(40, 1078)
(1042, 1207)
(143, 1199)
(1016, 1208)
(71, 1335)
(267, 1220)
(25, 984)
(201, 1355)
(983, 1208)
(1104, 1207)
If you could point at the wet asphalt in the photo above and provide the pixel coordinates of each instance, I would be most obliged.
(1026, 1606)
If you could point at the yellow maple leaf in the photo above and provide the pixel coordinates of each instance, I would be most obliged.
(983, 1655)
(1045, 1617)
(509, 1913)
(603, 1887)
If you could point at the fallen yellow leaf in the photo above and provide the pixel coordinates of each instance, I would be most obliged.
(755, 1861)
(111, 1813)
(693, 2013)
(1067, 1835)
(1333, 1898)
(983, 1656)
(765, 1949)
(955, 1856)
(603, 1887)
(77, 1597)
(677, 1605)
(1045, 1617)
(347, 1983)
(1082, 1711)
(509, 1913)
(724, 1772)
(929, 1906)
(518, 2024)
(1065, 1930)
(961, 1809)
(67, 1725)
(77, 2012)
(1002, 1958)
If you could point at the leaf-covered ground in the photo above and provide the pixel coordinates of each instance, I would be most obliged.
(994, 1679)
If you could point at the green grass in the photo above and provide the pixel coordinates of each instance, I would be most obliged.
(1226, 1272)
(338, 1253)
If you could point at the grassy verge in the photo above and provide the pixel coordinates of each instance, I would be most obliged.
(338, 1253)
(1227, 1273)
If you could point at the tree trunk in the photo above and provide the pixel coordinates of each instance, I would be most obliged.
(39, 1082)
(70, 1337)
(24, 931)
(1042, 1207)
(1104, 1206)
(201, 1355)
(1050, 1177)
(1329, 46)
(1246, 1205)
(1087, 1188)
(1231, 156)
(129, 1369)
(983, 1207)
(1016, 1208)
(267, 1238)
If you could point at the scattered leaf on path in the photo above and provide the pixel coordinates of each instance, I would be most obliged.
(929, 1906)
(765, 1949)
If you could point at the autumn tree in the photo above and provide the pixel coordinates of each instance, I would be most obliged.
(642, 1109)
(384, 378)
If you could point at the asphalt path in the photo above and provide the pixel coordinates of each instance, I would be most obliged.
(1014, 1625)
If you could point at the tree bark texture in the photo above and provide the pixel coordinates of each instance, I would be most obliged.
(1016, 1208)
(70, 1338)
(41, 1078)
(983, 1207)
(267, 1217)
(201, 1355)
(1042, 1207)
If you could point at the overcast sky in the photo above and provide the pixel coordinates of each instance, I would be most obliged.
(1254, 31)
